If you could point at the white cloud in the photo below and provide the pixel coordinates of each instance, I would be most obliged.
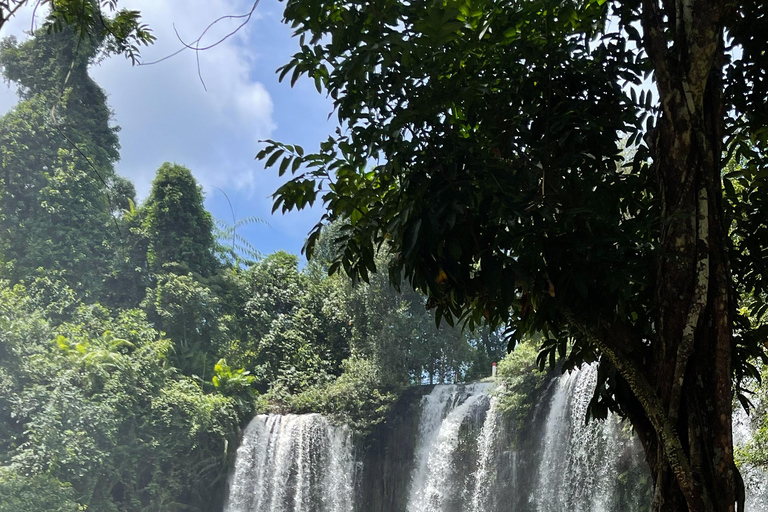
(166, 114)
(164, 110)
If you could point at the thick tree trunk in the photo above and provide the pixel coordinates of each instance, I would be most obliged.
(691, 367)
(690, 370)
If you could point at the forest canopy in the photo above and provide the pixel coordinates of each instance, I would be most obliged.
(508, 160)
(137, 338)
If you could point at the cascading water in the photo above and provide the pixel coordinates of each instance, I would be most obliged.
(486, 474)
(434, 481)
(462, 455)
(578, 469)
(293, 463)
(755, 479)
(464, 463)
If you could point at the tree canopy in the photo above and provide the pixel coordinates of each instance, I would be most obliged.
(58, 150)
(590, 170)
(181, 227)
(122, 32)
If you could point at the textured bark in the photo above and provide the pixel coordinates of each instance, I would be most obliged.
(690, 370)
(681, 381)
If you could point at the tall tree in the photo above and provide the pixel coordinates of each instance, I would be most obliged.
(296, 321)
(123, 32)
(499, 132)
(178, 225)
(394, 330)
(56, 170)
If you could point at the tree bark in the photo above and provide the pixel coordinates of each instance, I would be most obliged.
(690, 368)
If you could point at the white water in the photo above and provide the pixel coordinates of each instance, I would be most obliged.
(577, 466)
(445, 410)
(578, 470)
(463, 461)
(483, 496)
(755, 479)
(293, 463)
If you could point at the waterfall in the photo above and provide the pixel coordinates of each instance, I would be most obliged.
(454, 450)
(755, 479)
(292, 463)
(483, 497)
(436, 483)
(463, 461)
(579, 465)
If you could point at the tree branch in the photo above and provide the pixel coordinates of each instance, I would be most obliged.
(11, 9)
(195, 45)
(702, 26)
(656, 46)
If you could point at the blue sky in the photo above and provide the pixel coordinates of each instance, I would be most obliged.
(166, 114)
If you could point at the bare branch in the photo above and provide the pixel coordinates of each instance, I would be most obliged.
(195, 45)
(9, 8)
(245, 17)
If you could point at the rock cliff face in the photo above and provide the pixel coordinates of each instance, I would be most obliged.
(387, 456)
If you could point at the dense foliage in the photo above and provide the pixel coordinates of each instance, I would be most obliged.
(179, 227)
(92, 403)
(59, 216)
(521, 385)
(122, 32)
(556, 167)
(134, 345)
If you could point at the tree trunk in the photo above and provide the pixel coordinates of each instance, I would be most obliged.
(690, 370)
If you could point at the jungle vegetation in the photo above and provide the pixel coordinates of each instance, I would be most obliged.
(136, 341)
(588, 171)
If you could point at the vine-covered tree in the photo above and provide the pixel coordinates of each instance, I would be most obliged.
(498, 133)
(122, 31)
(179, 226)
(56, 170)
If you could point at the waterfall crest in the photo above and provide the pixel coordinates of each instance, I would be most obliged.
(293, 463)
(465, 461)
